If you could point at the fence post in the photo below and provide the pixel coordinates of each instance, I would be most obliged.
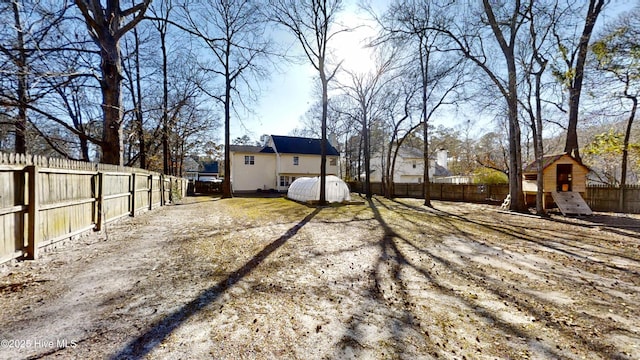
(32, 210)
(150, 185)
(132, 188)
(98, 190)
(162, 189)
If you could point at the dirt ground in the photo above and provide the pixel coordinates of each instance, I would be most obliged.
(248, 278)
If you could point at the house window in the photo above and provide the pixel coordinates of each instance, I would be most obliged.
(284, 180)
(333, 162)
(414, 164)
(296, 160)
(249, 160)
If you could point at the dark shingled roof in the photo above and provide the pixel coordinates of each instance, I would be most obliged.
(245, 148)
(299, 145)
(211, 167)
(441, 171)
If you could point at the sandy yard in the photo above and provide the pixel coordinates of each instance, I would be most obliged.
(253, 278)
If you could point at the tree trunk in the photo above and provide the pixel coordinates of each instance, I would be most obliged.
(323, 141)
(137, 99)
(625, 153)
(571, 145)
(226, 183)
(166, 154)
(424, 69)
(515, 153)
(538, 148)
(111, 66)
(367, 156)
(22, 92)
(388, 174)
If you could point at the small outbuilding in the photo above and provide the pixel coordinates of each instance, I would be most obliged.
(307, 189)
(564, 178)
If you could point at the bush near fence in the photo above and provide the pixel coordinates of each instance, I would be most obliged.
(600, 198)
(44, 200)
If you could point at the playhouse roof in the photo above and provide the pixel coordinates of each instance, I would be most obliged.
(547, 160)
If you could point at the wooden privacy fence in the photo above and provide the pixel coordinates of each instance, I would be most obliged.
(44, 200)
(606, 198)
(445, 192)
(602, 198)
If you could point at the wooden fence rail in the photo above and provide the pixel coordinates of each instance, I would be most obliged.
(43, 200)
(599, 197)
(445, 192)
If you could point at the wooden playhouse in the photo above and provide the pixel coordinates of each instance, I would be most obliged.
(565, 183)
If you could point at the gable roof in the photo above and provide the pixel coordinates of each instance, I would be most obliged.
(211, 167)
(547, 161)
(441, 171)
(251, 149)
(300, 145)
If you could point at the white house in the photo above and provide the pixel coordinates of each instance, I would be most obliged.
(409, 167)
(278, 163)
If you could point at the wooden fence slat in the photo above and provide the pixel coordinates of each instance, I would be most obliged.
(44, 200)
(32, 237)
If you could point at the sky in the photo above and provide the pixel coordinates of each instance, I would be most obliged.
(287, 95)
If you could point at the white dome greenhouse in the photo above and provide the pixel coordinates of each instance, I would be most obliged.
(308, 189)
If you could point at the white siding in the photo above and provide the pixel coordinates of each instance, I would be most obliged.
(260, 175)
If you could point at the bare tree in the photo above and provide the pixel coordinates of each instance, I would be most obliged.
(25, 46)
(134, 77)
(534, 64)
(107, 27)
(311, 22)
(617, 57)
(234, 33)
(573, 75)
(367, 90)
(163, 12)
(504, 21)
(413, 24)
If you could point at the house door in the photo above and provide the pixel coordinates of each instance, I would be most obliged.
(563, 177)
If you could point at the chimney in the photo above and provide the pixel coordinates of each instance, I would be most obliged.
(264, 139)
(333, 139)
(441, 158)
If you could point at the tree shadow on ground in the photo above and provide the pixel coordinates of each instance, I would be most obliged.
(555, 241)
(160, 330)
(394, 257)
(617, 224)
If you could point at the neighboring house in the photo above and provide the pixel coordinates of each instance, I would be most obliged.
(210, 172)
(190, 168)
(278, 163)
(409, 166)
